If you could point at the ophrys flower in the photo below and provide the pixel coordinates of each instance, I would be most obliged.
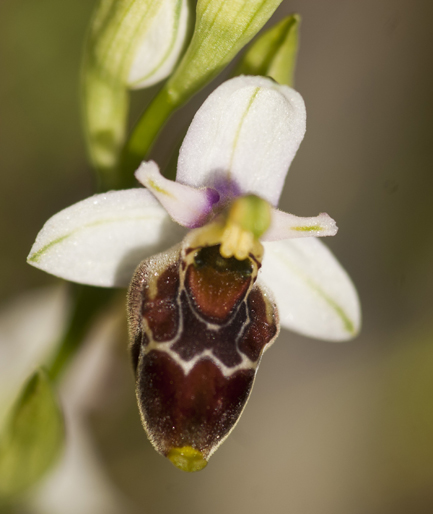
(203, 312)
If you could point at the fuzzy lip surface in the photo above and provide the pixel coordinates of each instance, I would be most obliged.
(198, 326)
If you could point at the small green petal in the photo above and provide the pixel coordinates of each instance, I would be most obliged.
(274, 53)
(33, 437)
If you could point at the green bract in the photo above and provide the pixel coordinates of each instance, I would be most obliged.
(274, 53)
(32, 438)
(222, 29)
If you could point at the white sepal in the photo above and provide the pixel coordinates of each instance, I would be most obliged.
(314, 294)
(243, 138)
(189, 206)
(100, 241)
(289, 226)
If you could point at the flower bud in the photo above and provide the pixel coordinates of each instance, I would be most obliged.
(132, 44)
(137, 42)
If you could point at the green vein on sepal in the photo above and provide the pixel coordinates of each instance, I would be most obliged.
(35, 257)
(241, 122)
(348, 324)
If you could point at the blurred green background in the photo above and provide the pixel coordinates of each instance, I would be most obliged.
(330, 428)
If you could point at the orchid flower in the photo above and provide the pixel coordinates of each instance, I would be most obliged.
(202, 313)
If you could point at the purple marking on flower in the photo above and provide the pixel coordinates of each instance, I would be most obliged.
(226, 186)
(213, 196)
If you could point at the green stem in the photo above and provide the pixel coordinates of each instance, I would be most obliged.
(144, 135)
(88, 302)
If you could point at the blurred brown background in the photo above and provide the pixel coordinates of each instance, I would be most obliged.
(330, 428)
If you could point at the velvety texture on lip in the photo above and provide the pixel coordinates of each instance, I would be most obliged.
(199, 326)
(217, 285)
(197, 409)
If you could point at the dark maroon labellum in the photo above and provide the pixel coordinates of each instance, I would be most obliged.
(198, 327)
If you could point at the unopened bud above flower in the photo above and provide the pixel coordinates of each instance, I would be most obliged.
(160, 45)
(138, 42)
(132, 44)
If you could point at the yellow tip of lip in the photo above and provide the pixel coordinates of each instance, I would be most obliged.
(187, 459)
